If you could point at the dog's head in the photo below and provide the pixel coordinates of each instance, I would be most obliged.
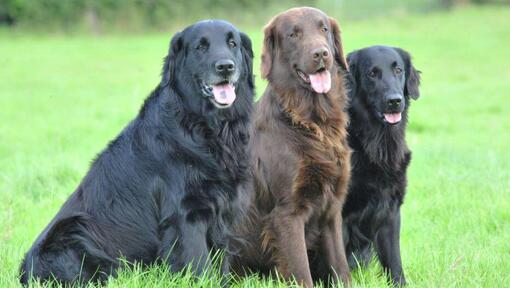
(383, 79)
(303, 46)
(205, 63)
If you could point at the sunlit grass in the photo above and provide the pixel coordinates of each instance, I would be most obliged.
(63, 99)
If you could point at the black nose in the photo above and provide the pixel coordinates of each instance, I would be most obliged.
(394, 101)
(225, 66)
(320, 53)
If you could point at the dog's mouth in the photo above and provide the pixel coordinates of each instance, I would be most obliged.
(320, 80)
(391, 118)
(221, 94)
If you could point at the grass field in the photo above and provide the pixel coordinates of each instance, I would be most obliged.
(62, 99)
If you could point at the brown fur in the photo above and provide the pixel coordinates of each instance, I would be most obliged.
(301, 157)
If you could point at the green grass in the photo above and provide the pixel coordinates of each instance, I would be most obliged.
(63, 99)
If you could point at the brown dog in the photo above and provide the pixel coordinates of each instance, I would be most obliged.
(301, 158)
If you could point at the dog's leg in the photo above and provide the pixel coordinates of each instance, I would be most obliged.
(292, 254)
(188, 246)
(388, 248)
(225, 263)
(332, 235)
(194, 246)
(333, 250)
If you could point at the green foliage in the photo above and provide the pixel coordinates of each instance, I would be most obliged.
(43, 12)
(97, 16)
(63, 98)
(123, 14)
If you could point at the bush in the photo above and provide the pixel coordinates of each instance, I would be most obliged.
(95, 14)
(132, 15)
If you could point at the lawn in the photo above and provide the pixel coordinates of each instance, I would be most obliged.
(63, 98)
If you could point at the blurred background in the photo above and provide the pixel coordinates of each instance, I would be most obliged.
(73, 73)
(101, 16)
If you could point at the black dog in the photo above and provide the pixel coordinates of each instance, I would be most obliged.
(167, 188)
(383, 80)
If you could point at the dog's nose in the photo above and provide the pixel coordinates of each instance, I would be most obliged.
(225, 66)
(320, 53)
(394, 101)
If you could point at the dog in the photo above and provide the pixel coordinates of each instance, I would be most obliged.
(300, 152)
(167, 188)
(383, 81)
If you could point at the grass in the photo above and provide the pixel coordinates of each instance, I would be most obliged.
(63, 99)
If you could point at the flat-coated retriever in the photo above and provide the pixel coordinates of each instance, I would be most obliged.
(383, 82)
(166, 189)
(301, 156)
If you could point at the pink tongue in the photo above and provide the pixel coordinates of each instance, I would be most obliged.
(321, 82)
(224, 94)
(393, 118)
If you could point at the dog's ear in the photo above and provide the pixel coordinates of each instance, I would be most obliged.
(169, 63)
(247, 51)
(337, 40)
(412, 75)
(352, 79)
(62, 233)
(268, 49)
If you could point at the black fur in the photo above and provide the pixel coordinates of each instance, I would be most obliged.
(166, 189)
(380, 156)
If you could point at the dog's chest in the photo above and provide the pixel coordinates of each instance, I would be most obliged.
(212, 174)
(321, 163)
(373, 181)
(374, 192)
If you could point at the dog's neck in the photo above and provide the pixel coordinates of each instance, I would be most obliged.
(223, 138)
(166, 110)
(383, 144)
(306, 107)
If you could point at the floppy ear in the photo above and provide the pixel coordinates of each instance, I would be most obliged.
(412, 75)
(169, 66)
(247, 51)
(352, 83)
(268, 49)
(339, 49)
(62, 233)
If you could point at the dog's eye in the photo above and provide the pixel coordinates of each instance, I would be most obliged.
(398, 71)
(324, 29)
(372, 73)
(293, 35)
(202, 46)
(232, 44)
